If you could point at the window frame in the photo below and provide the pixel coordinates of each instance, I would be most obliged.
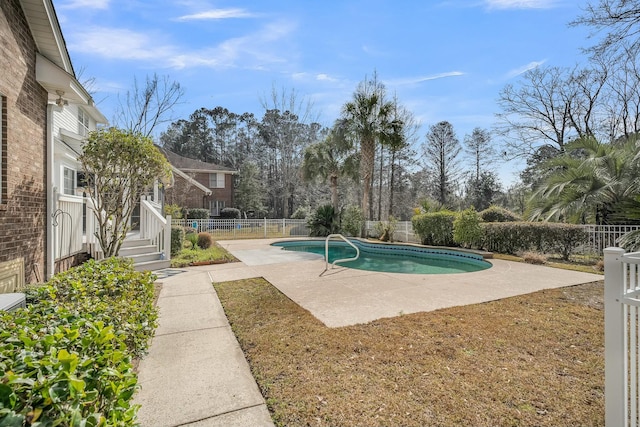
(83, 122)
(63, 181)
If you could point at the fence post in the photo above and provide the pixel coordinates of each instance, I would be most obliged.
(284, 222)
(265, 228)
(167, 239)
(406, 231)
(614, 352)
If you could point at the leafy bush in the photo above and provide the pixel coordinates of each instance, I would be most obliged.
(193, 239)
(352, 221)
(174, 210)
(498, 214)
(435, 228)
(385, 229)
(301, 213)
(466, 228)
(205, 240)
(230, 213)
(513, 237)
(198, 213)
(177, 239)
(324, 221)
(66, 358)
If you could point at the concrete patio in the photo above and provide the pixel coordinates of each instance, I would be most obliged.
(195, 373)
(342, 296)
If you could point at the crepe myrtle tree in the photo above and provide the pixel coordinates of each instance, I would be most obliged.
(121, 165)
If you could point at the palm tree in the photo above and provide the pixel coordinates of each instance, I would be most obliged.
(592, 182)
(367, 119)
(330, 160)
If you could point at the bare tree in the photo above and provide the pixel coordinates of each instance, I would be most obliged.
(144, 108)
(619, 18)
(478, 147)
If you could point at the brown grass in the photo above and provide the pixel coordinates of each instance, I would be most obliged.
(533, 360)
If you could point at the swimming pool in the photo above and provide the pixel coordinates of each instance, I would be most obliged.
(393, 258)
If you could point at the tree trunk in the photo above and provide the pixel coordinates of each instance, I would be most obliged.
(391, 181)
(333, 183)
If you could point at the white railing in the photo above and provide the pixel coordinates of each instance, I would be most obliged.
(326, 251)
(93, 227)
(622, 337)
(247, 228)
(155, 227)
(67, 224)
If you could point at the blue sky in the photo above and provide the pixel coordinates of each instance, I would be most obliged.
(445, 60)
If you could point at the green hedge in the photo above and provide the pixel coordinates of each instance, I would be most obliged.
(435, 228)
(66, 359)
(514, 237)
(467, 231)
(198, 213)
(177, 239)
(498, 214)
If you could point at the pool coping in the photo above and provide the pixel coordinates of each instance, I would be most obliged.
(342, 296)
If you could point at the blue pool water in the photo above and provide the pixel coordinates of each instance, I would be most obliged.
(393, 258)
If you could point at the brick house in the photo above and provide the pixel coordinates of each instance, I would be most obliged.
(36, 82)
(199, 184)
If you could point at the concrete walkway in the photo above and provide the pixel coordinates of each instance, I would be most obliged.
(195, 373)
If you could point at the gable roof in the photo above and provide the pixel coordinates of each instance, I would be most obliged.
(54, 70)
(193, 165)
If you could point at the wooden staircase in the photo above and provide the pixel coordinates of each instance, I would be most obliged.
(145, 255)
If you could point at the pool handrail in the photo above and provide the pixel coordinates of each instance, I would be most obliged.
(326, 251)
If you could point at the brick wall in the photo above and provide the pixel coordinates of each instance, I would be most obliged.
(187, 195)
(23, 206)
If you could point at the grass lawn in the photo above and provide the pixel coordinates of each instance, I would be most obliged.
(531, 360)
(214, 254)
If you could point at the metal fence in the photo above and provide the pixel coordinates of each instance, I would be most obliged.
(622, 337)
(247, 228)
(598, 236)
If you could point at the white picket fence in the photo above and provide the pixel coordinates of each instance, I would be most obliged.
(622, 338)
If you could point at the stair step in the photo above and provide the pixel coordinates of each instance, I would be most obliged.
(128, 243)
(152, 265)
(136, 250)
(149, 256)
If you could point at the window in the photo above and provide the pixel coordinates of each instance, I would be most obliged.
(3, 149)
(215, 206)
(83, 122)
(68, 181)
(216, 180)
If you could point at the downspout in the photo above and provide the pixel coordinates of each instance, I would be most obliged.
(51, 204)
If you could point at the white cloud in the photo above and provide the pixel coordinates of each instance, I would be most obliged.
(85, 4)
(257, 50)
(420, 79)
(521, 4)
(116, 43)
(523, 69)
(325, 78)
(215, 14)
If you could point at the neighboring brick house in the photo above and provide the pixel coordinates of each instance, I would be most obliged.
(199, 184)
(36, 80)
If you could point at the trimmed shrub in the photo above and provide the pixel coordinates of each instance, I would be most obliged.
(466, 228)
(230, 213)
(197, 213)
(67, 357)
(513, 237)
(177, 239)
(352, 221)
(498, 214)
(435, 228)
(193, 239)
(205, 240)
